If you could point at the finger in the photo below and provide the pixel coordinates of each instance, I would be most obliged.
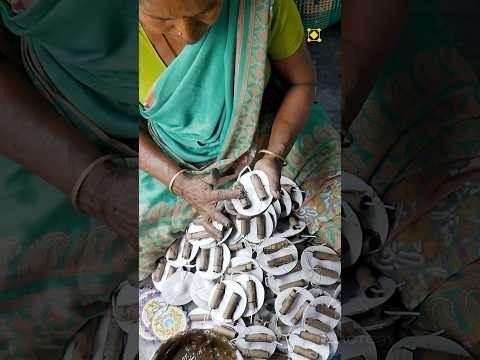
(199, 220)
(226, 179)
(242, 217)
(212, 178)
(217, 234)
(229, 208)
(275, 188)
(220, 195)
(217, 215)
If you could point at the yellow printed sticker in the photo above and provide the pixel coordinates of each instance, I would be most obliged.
(313, 35)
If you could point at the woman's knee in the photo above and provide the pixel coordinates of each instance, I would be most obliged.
(455, 309)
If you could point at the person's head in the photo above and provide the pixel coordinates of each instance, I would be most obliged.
(189, 19)
(195, 345)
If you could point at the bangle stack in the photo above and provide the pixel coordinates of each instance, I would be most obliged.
(276, 156)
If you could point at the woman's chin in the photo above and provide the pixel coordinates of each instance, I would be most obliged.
(194, 40)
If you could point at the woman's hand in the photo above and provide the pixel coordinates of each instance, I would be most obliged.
(110, 194)
(273, 168)
(198, 191)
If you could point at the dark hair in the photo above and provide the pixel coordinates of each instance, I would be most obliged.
(195, 345)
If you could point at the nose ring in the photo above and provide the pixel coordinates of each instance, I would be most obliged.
(180, 34)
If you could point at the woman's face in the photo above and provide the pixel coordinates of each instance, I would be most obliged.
(188, 19)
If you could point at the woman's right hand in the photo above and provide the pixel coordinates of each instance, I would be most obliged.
(198, 191)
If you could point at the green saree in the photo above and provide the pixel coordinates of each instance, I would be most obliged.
(57, 266)
(241, 126)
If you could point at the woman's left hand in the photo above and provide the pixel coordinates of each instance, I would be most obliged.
(273, 168)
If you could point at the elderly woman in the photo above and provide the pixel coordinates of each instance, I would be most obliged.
(204, 70)
(412, 105)
(68, 102)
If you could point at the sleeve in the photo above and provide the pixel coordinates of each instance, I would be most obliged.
(287, 32)
(150, 65)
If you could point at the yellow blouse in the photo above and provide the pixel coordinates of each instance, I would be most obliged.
(286, 37)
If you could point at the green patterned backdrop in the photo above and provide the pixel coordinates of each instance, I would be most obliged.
(319, 13)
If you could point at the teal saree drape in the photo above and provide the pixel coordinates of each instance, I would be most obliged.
(57, 266)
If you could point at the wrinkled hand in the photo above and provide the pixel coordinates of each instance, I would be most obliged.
(110, 194)
(198, 191)
(273, 168)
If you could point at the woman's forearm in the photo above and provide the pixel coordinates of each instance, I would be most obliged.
(154, 161)
(298, 71)
(36, 136)
(291, 118)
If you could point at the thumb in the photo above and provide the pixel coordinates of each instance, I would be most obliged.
(212, 177)
(275, 187)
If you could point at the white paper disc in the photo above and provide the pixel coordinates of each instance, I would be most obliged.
(376, 217)
(252, 236)
(259, 291)
(311, 312)
(209, 274)
(176, 289)
(241, 260)
(258, 206)
(309, 262)
(200, 290)
(277, 207)
(263, 258)
(437, 343)
(295, 339)
(303, 296)
(210, 242)
(273, 214)
(296, 193)
(285, 203)
(231, 287)
(159, 284)
(268, 347)
(352, 232)
(275, 282)
(360, 344)
(291, 230)
(180, 261)
(356, 302)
